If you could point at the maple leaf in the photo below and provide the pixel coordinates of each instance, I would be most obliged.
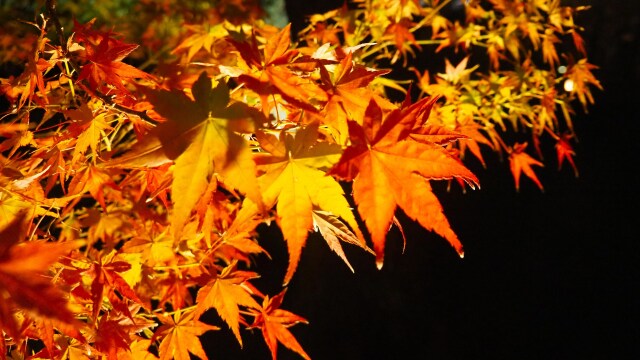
(154, 248)
(273, 76)
(274, 323)
(138, 350)
(108, 277)
(294, 179)
(458, 73)
(402, 36)
(174, 290)
(236, 240)
(333, 230)
(580, 76)
(202, 136)
(47, 329)
(348, 95)
(34, 70)
(474, 138)
(225, 293)
(520, 162)
(565, 151)
(105, 64)
(200, 38)
(23, 280)
(389, 169)
(93, 179)
(90, 127)
(115, 331)
(180, 336)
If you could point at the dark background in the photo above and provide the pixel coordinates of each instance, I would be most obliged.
(550, 275)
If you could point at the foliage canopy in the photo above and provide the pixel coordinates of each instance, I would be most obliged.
(140, 154)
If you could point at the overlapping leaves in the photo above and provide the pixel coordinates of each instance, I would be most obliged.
(131, 197)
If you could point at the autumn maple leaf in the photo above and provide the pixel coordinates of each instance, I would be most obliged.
(34, 71)
(521, 162)
(269, 73)
(105, 64)
(402, 36)
(108, 277)
(115, 330)
(235, 240)
(89, 128)
(389, 169)
(580, 76)
(23, 277)
(202, 137)
(458, 73)
(274, 323)
(180, 336)
(348, 94)
(226, 292)
(334, 230)
(294, 179)
(565, 152)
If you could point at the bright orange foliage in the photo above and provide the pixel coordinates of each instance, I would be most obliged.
(138, 156)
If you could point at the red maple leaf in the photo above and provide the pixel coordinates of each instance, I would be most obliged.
(565, 151)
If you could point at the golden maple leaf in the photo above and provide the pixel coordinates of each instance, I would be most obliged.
(202, 137)
(294, 179)
(226, 292)
(180, 336)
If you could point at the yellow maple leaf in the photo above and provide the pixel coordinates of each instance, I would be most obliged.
(226, 293)
(294, 179)
(91, 126)
(202, 137)
(180, 334)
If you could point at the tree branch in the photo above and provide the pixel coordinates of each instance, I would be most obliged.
(52, 11)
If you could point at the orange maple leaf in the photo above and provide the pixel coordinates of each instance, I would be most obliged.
(274, 323)
(236, 240)
(389, 169)
(348, 94)
(458, 73)
(94, 180)
(34, 70)
(580, 76)
(520, 162)
(402, 35)
(107, 275)
(273, 76)
(115, 330)
(225, 293)
(23, 277)
(180, 336)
